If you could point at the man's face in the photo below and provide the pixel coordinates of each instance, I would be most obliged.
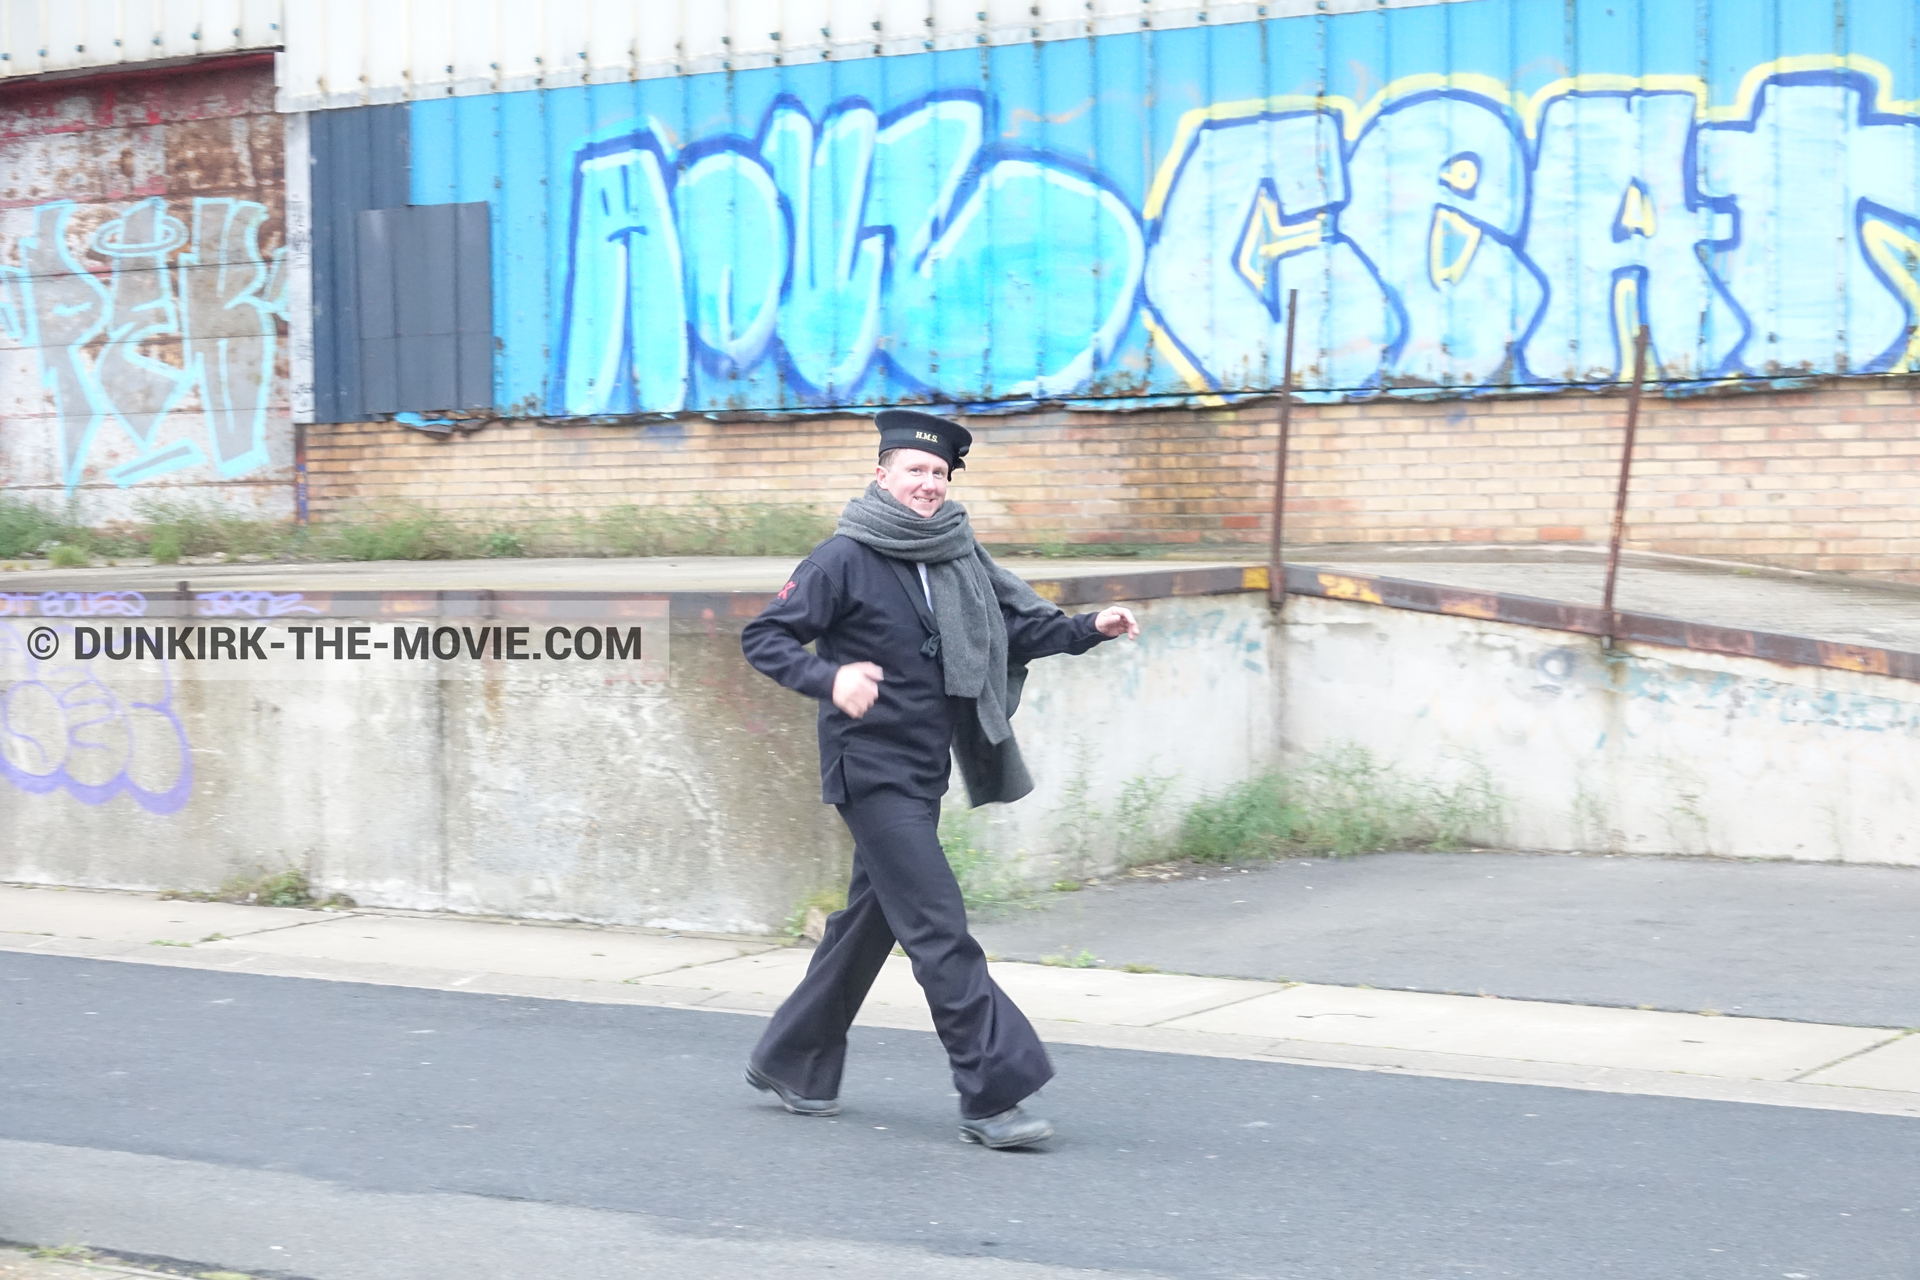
(915, 478)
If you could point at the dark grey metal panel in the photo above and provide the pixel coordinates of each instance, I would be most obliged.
(360, 160)
(473, 304)
(427, 371)
(423, 284)
(423, 270)
(379, 354)
(424, 330)
(377, 229)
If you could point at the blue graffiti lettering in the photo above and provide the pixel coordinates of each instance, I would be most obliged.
(1279, 181)
(827, 250)
(1452, 238)
(1825, 244)
(830, 319)
(181, 313)
(623, 345)
(1619, 236)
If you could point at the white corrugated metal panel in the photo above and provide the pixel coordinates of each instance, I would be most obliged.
(40, 36)
(347, 53)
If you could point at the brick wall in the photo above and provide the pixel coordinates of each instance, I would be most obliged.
(1822, 479)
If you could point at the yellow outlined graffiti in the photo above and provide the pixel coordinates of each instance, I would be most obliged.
(1636, 212)
(1450, 247)
(1463, 175)
(1626, 319)
(1898, 257)
(1453, 239)
(1527, 108)
(1269, 238)
(1183, 365)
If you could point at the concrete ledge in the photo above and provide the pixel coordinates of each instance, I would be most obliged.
(1064, 585)
(1646, 628)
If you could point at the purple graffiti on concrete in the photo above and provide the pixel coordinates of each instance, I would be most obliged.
(63, 727)
(73, 604)
(253, 604)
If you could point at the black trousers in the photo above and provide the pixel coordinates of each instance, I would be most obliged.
(902, 889)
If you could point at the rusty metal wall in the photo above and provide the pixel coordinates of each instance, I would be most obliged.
(38, 37)
(1489, 194)
(142, 290)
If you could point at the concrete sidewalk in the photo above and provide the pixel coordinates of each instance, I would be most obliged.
(1808, 941)
(1826, 1066)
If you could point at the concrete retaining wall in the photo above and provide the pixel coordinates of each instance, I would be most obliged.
(682, 790)
(1646, 749)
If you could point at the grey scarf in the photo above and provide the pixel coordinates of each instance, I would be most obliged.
(968, 589)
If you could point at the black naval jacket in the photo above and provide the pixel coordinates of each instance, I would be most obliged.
(862, 606)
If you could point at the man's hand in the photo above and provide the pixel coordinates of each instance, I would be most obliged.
(857, 685)
(1114, 621)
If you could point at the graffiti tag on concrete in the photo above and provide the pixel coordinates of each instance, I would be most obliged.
(251, 604)
(94, 734)
(73, 604)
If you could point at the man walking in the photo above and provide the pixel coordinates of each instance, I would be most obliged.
(922, 643)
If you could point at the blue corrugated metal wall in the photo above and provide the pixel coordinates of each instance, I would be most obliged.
(1481, 194)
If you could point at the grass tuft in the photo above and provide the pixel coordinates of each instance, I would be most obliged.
(752, 530)
(986, 879)
(1344, 801)
(288, 888)
(166, 546)
(175, 531)
(814, 909)
(79, 1252)
(26, 527)
(418, 535)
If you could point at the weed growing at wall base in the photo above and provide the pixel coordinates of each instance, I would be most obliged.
(755, 529)
(808, 919)
(986, 879)
(288, 888)
(171, 532)
(1342, 801)
(26, 527)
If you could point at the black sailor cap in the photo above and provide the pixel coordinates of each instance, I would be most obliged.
(912, 429)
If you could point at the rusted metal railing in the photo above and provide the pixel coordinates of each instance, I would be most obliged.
(1277, 571)
(1620, 495)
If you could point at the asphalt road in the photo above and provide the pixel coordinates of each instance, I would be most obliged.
(1816, 942)
(379, 1131)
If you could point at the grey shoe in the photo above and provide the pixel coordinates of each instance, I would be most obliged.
(788, 1098)
(1011, 1128)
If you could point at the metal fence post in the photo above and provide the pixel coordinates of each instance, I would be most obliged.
(1620, 496)
(1276, 570)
